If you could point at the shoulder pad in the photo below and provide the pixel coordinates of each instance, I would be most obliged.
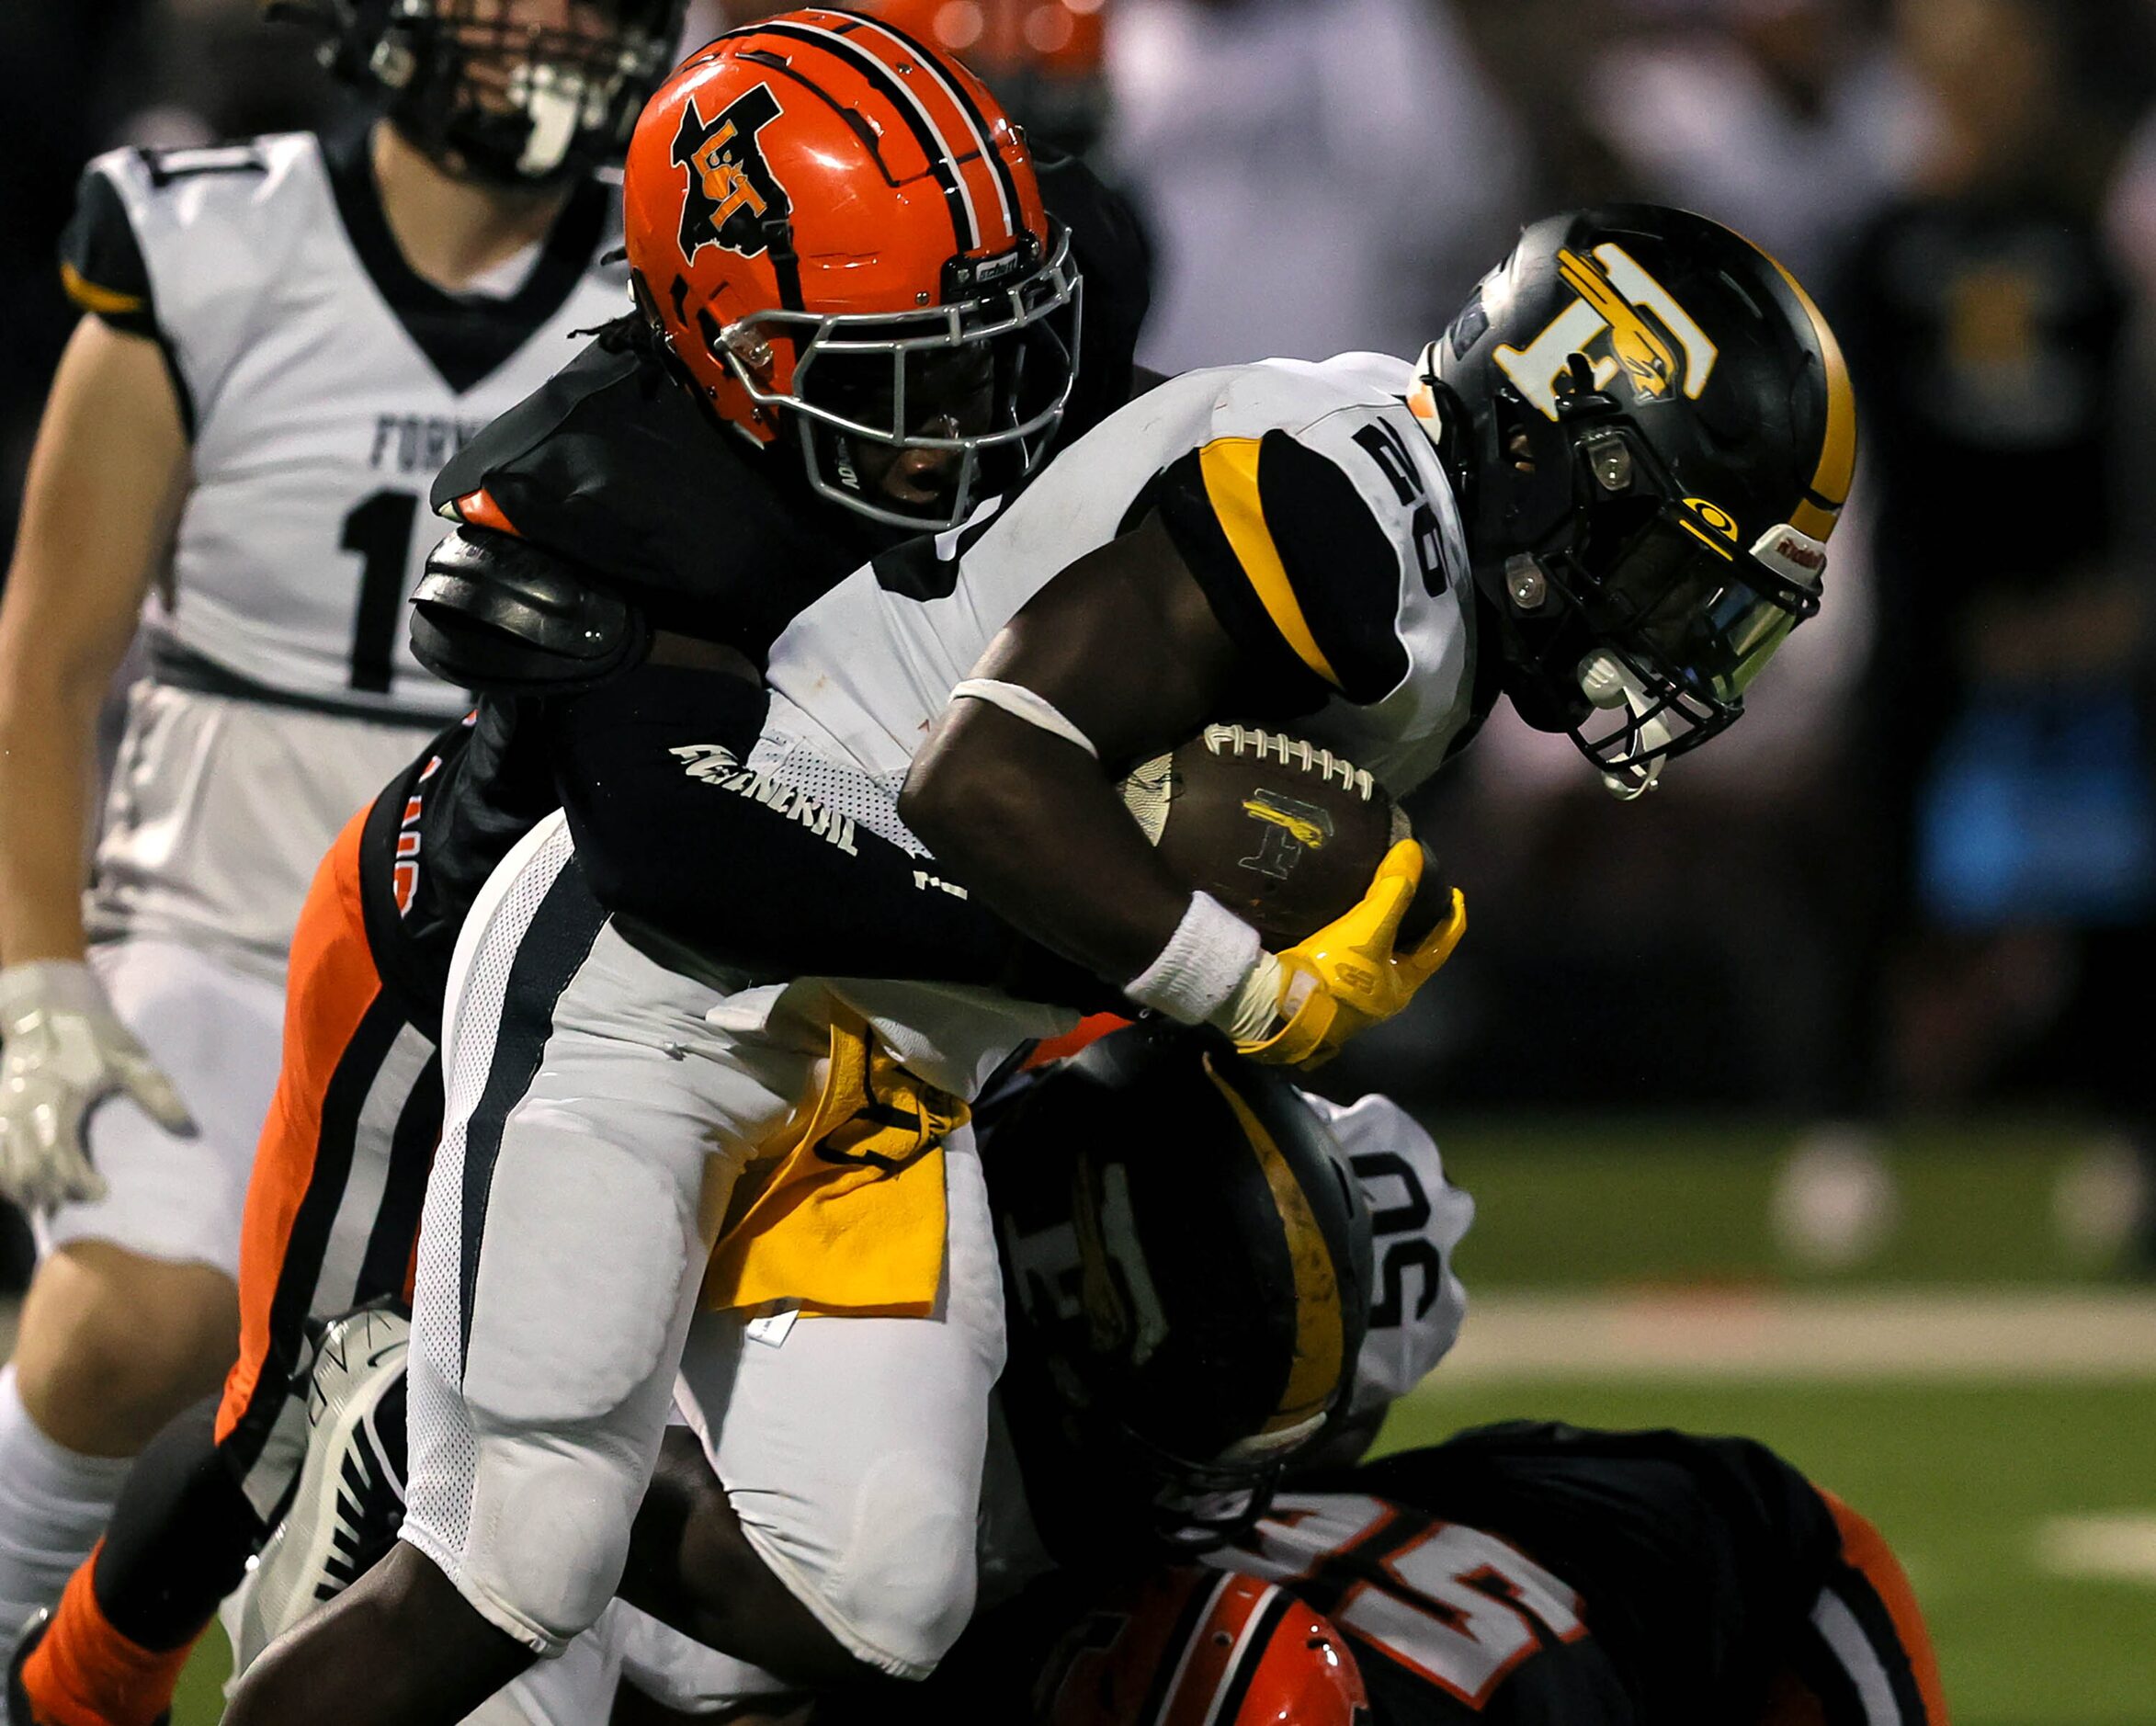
(101, 260)
(190, 247)
(497, 614)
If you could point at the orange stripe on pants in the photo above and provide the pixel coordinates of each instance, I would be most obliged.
(1866, 1550)
(331, 982)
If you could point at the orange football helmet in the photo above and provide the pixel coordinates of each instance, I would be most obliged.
(1203, 1648)
(836, 230)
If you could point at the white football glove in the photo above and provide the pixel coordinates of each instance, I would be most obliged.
(63, 1051)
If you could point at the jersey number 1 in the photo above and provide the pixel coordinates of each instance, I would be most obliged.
(379, 529)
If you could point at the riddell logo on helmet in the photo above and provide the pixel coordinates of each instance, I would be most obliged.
(732, 198)
(1626, 322)
(1806, 554)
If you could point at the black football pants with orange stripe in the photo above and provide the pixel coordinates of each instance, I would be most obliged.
(332, 1221)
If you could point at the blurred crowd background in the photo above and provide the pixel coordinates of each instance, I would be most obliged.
(1921, 878)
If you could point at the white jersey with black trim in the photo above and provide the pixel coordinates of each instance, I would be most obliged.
(1417, 1220)
(1304, 496)
(324, 385)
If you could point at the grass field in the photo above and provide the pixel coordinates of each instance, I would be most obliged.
(1981, 1383)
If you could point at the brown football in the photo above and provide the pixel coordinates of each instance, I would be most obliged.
(1283, 832)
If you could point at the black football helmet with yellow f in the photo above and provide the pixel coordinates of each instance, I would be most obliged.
(1654, 431)
(1188, 1268)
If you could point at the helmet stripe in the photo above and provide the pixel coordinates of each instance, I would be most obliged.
(1829, 490)
(1274, 1606)
(942, 159)
(1006, 188)
(1320, 1341)
(1192, 1644)
(1239, 1614)
(1196, 1601)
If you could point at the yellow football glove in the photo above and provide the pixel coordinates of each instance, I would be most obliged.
(1348, 977)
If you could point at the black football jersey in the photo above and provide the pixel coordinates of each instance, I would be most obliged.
(1534, 1574)
(1521, 1574)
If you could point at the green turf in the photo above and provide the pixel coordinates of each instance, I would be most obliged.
(1960, 1477)
(1565, 1206)
(201, 1689)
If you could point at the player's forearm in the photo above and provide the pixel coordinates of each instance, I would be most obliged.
(104, 489)
(672, 829)
(1033, 827)
(47, 730)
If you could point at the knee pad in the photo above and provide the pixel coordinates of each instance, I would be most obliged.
(547, 1540)
(903, 1588)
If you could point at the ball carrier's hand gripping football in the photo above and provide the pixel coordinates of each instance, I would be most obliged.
(1300, 1005)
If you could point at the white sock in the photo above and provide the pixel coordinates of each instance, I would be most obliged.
(53, 1506)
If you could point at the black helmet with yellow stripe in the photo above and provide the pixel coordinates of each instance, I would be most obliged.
(1187, 1263)
(1654, 431)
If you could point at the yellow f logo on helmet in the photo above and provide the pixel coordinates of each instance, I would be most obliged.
(1668, 352)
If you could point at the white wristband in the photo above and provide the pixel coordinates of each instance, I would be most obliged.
(1020, 702)
(1202, 966)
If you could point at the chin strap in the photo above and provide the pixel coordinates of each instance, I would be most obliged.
(1607, 682)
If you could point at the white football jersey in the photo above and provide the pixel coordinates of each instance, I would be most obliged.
(323, 383)
(1417, 1218)
(1305, 498)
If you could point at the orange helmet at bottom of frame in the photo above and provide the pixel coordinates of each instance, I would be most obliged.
(832, 226)
(1205, 1648)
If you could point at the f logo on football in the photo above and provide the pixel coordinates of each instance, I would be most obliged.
(732, 197)
(1291, 827)
(1626, 323)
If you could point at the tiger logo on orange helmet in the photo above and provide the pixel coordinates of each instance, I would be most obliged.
(732, 198)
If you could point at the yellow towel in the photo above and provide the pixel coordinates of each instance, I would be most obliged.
(847, 1214)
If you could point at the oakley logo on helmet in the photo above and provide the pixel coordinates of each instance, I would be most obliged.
(1640, 329)
(732, 198)
(1714, 516)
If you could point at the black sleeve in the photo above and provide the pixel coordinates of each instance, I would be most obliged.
(101, 262)
(675, 831)
(1301, 575)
